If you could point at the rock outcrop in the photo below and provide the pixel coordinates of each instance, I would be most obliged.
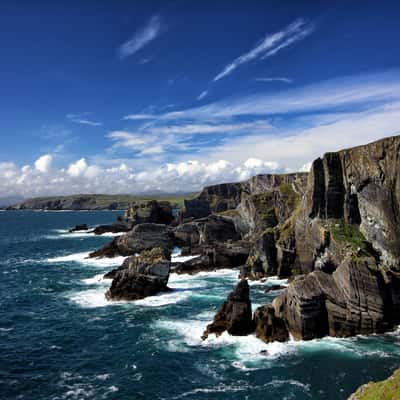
(234, 316)
(268, 327)
(205, 231)
(139, 212)
(80, 227)
(141, 237)
(216, 256)
(141, 276)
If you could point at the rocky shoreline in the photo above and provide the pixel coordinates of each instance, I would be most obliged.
(333, 232)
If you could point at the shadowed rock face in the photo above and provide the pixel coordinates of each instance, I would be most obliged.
(234, 316)
(268, 327)
(361, 186)
(141, 276)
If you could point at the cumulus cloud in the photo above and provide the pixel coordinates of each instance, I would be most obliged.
(84, 177)
(142, 37)
(77, 168)
(43, 163)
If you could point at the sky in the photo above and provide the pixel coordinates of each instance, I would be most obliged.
(148, 96)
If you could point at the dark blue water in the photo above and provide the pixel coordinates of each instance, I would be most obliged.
(60, 339)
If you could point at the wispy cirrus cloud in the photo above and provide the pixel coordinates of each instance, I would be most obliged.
(275, 79)
(142, 37)
(350, 91)
(138, 117)
(203, 94)
(194, 129)
(82, 119)
(270, 45)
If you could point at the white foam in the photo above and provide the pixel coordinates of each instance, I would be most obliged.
(91, 298)
(182, 259)
(163, 299)
(245, 347)
(177, 257)
(270, 281)
(65, 234)
(82, 258)
(96, 280)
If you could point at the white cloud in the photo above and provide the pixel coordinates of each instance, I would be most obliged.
(275, 79)
(139, 116)
(202, 95)
(79, 119)
(270, 45)
(77, 168)
(43, 163)
(341, 92)
(293, 148)
(190, 129)
(142, 37)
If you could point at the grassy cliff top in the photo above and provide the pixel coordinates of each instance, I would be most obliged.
(388, 389)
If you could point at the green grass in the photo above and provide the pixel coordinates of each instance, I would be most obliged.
(384, 390)
(293, 199)
(348, 234)
(229, 213)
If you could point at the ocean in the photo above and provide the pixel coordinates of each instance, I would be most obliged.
(61, 339)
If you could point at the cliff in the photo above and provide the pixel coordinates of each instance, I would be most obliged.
(346, 246)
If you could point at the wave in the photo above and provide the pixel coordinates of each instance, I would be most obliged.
(66, 234)
(242, 386)
(183, 287)
(82, 258)
(269, 281)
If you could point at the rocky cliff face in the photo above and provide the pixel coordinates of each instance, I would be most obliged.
(361, 187)
(346, 243)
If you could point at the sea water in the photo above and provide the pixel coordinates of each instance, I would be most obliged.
(61, 339)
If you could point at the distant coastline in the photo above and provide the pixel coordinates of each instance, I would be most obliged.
(91, 202)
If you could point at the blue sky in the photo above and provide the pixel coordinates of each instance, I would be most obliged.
(130, 96)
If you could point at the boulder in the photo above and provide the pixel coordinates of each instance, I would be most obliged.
(80, 227)
(268, 327)
(141, 237)
(141, 276)
(234, 316)
(117, 227)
